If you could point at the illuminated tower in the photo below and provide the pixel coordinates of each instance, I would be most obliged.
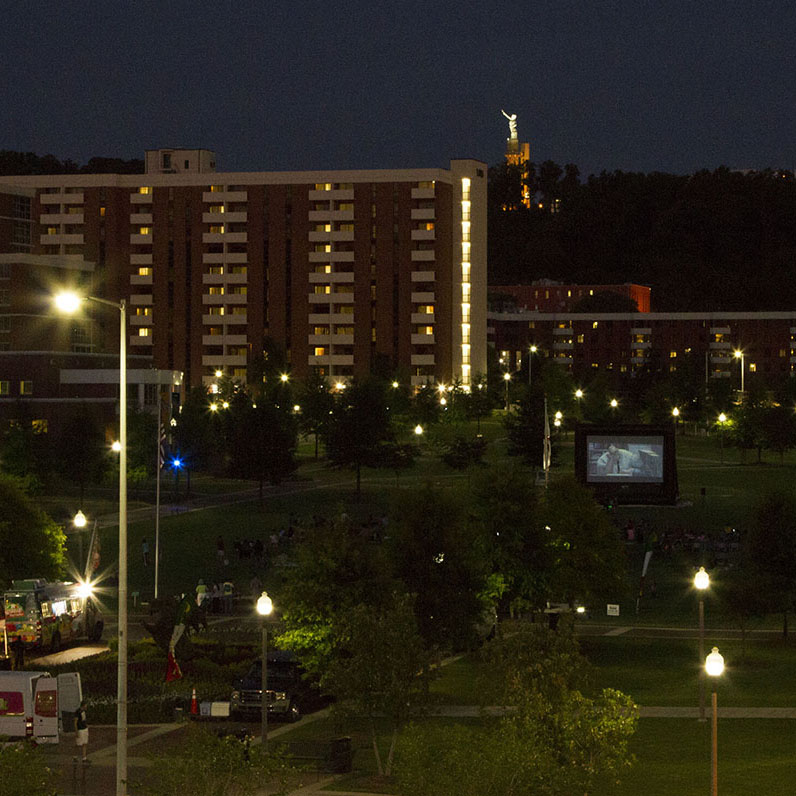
(518, 154)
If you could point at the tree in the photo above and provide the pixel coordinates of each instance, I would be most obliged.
(31, 544)
(374, 671)
(779, 429)
(505, 509)
(605, 301)
(359, 425)
(436, 554)
(316, 406)
(337, 568)
(397, 456)
(191, 437)
(589, 558)
(557, 739)
(769, 554)
(264, 439)
(462, 453)
(80, 450)
(524, 426)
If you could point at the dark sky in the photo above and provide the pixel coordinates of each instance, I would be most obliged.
(269, 85)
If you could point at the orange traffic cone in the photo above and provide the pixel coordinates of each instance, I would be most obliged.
(194, 704)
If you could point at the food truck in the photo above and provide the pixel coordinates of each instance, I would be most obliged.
(46, 615)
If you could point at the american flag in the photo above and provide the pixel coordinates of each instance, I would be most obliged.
(161, 447)
(547, 452)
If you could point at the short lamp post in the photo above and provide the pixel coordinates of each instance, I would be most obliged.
(507, 379)
(701, 583)
(722, 421)
(69, 303)
(264, 607)
(676, 416)
(714, 666)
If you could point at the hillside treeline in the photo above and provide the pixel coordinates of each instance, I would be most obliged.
(713, 240)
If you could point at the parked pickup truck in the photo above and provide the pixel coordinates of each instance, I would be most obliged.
(288, 693)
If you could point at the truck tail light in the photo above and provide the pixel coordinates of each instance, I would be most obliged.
(28, 727)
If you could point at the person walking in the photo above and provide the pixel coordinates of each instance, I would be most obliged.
(19, 653)
(81, 728)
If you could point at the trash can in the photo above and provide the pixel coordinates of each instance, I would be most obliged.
(340, 756)
(179, 714)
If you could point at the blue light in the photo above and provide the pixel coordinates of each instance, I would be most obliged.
(176, 464)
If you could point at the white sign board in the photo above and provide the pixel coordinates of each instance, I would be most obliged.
(612, 610)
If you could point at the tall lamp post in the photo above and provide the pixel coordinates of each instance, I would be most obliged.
(69, 303)
(531, 351)
(264, 607)
(714, 666)
(701, 583)
(738, 354)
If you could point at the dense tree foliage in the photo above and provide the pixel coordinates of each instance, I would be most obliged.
(31, 544)
(24, 163)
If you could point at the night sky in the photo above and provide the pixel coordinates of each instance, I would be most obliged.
(644, 86)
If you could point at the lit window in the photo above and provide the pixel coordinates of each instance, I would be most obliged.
(40, 426)
(752, 367)
(594, 325)
(216, 188)
(102, 211)
(145, 230)
(145, 271)
(144, 189)
(26, 388)
(320, 351)
(215, 310)
(52, 230)
(672, 355)
(143, 311)
(144, 331)
(216, 291)
(216, 229)
(216, 209)
(5, 387)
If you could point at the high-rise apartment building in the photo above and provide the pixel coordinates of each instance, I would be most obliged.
(347, 271)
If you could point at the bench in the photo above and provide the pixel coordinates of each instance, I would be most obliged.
(332, 757)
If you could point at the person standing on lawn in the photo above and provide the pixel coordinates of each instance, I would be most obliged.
(81, 728)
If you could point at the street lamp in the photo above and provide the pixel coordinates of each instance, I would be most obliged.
(738, 354)
(69, 303)
(507, 379)
(714, 666)
(264, 607)
(614, 403)
(722, 421)
(532, 350)
(418, 430)
(701, 583)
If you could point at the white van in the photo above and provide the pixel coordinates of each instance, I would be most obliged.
(32, 704)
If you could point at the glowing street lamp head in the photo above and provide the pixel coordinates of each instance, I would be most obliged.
(714, 663)
(219, 374)
(559, 415)
(722, 418)
(340, 385)
(614, 403)
(284, 378)
(265, 604)
(675, 412)
(507, 376)
(213, 407)
(85, 589)
(534, 349)
(737, 353)
(579, 393)
(176, 463)
(701, 579)
(67, 302)
(79, 520)
(116, 446)
(395, 385)
(418, 429)
(225, 405)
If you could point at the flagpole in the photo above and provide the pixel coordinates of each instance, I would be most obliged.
(547, 452)
(157, 497)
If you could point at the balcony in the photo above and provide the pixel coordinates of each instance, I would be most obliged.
(422, 318)
(61, 218)
(331, 257)
(331, 298)
(422, 359)
(423, 276)
(422, 193)
(217, 197)
(136, 340)
(324, 318)
(423, 214)
(340, 194)
(141, 259)
(224, 237)
(220, 360)
(331, 359)
(66, 239)
(145, 240)
(224, 339)
(339, 235)
(423, 234)
(141, 198)
(141, 320)
(142, 299)
(342, 277)
(422, 298)
(422, 339)
(331, 215)
(422, 256)
(140, 218)
(140, 279)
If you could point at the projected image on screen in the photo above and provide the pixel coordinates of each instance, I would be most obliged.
(625, 458)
